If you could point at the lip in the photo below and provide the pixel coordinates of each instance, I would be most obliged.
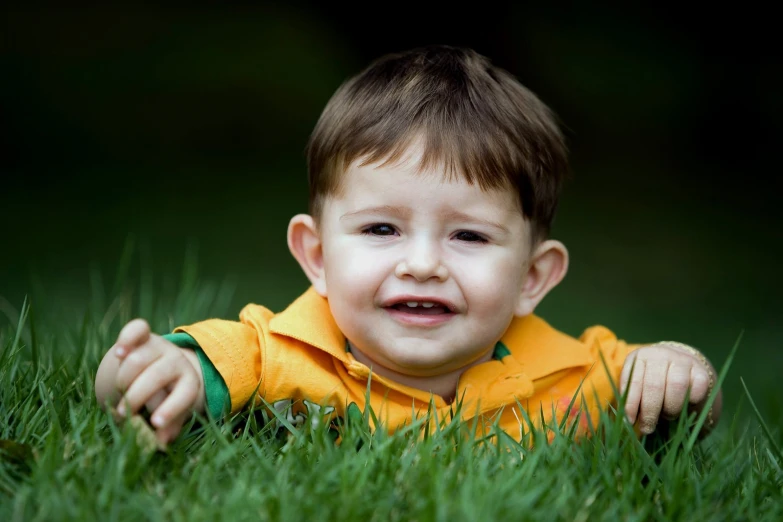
(417, 319)
(409, 319)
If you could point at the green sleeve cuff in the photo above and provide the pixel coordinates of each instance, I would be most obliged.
(218, 399)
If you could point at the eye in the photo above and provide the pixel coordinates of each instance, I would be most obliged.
(470, 237)
(379, 229)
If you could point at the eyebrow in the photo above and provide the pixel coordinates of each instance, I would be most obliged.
(456, 215)
(381, 209)
(403, 212)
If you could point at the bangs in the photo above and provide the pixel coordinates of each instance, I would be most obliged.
(458, 113)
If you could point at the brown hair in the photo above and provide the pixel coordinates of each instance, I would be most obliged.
(473, 118)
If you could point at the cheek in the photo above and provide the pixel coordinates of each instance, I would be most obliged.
(350, 270)
(492, 284)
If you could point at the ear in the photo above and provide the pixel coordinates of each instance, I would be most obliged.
(304, 242)
(547, 267)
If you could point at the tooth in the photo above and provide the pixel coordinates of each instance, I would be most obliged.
(427, 305)
(412, 304)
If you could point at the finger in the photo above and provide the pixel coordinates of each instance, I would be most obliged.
(652, 395)
(179, 402)
(172, 429)
(132, 335)
(678, 379)
(156, 400)
(700, 384)
(135, 363)
(154, 378)
(634, 387)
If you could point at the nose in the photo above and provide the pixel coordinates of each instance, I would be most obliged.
(422, 262)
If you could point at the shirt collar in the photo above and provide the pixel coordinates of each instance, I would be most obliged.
(540, 350)
(536, 350)
(309, 319)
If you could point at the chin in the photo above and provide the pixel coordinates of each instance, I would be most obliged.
(420, 366)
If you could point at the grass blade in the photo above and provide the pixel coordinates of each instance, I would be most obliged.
(702, 418)
(764, 427)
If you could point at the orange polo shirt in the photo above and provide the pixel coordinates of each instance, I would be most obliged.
(297, 362)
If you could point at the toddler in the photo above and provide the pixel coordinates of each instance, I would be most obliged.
(434, 177)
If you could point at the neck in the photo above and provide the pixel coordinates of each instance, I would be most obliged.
(444, 384)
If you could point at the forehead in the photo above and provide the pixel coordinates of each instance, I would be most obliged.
(406, 182)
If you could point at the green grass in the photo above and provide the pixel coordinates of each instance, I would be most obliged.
(61, 457)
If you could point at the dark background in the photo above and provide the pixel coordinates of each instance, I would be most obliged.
(183, 127)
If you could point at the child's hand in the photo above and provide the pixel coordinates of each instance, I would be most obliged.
(150, 371)
(662, 375)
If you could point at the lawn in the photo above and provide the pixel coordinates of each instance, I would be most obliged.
(62, 458)
(188, 127)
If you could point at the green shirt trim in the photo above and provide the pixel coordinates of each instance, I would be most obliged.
(216, 391)
(501, 350)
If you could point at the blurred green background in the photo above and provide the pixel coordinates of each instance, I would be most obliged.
(187, 127)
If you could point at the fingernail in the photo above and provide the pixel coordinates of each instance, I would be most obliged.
(157, 420)
(121, 410)
(120, 351)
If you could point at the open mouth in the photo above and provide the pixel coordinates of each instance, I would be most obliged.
(422, 307)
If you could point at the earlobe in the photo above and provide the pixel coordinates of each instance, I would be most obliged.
(304, 242)
(547, 267)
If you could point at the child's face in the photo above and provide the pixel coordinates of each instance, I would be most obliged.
(394, 236)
